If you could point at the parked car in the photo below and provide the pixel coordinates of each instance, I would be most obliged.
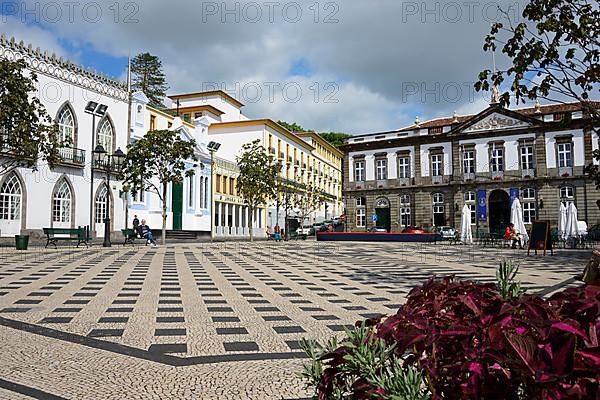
(447, 232)
(317, 226)
(413, 229)
(305, 230)
(379, 229)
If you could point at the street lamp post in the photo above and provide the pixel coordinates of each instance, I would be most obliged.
(108, 163)
(213, 147)
(95, 110)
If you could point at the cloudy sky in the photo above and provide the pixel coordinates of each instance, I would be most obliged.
(355, 66)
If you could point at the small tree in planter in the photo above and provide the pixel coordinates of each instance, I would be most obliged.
(257, 181)
(155, 161)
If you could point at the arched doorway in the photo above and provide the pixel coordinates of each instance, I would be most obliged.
(382, 210)
(499, 210)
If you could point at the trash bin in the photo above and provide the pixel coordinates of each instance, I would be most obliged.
(21, 242)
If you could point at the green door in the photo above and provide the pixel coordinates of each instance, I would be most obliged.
(383, 217)
(177, 205)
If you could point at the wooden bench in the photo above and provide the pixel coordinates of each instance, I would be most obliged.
(129, 235)
(53, 235)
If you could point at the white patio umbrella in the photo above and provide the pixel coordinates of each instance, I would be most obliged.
(571, 229)
(466, 235)
(562, 221)
(516, 218)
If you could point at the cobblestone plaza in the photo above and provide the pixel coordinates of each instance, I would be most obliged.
(211, 321)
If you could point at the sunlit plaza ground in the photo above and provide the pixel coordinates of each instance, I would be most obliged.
(212, 321)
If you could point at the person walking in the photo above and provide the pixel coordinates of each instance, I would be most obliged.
(147, 233)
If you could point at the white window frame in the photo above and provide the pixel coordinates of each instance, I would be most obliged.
(565, 155)
(469, 161)
(437, 165)
(565, 195)
(66, 126)
(100, 203)
(403, 167)
(359, 171)
(527, 158)
(62, 203)
(529, 205)
(471, 202)
(381, 169)
(10, 199)
(497, 160)
(405, 210)
(190, 188)
(361, 217)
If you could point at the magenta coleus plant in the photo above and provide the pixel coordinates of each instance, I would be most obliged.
(470, 342)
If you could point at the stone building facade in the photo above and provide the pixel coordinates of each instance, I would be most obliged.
(424, 174)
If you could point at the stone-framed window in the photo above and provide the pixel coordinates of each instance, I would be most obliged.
(468, 162)
(471, 202)
(403, 167)
(359, 170)
(439, 218)
(381, 168)
(405, 210)
(564, 155)
(529, 205)
(497, 160)
(361, 212)
(527, 158)
(436, 157)
(566, 194)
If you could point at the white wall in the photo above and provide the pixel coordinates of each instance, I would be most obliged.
(425, 162)
(578, 147)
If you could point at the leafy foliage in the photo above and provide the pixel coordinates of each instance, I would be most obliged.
(554, 51)
(308, 201)
(508, 287)
(147, 75)
(470, 342)
(257, 181)
(27, 133)
(335, 138)
(368, 368)
(153, 162)
(292, 127)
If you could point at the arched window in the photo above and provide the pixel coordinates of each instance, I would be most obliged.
(66, 126)
(201, 192)
(405, 210)
(471, 201)
(10, 199)
(439, 218)
(105, 135)
(361, 212)
(529, 209)
(567, 194)
(61, 203)
(101, 211)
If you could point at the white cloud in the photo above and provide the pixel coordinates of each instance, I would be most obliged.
(390, 60)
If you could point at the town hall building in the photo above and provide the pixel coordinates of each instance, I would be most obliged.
(424, 174)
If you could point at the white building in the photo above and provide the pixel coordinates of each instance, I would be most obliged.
(65, 196)
(188, 203)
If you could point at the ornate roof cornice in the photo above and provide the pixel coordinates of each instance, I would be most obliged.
(62, 69)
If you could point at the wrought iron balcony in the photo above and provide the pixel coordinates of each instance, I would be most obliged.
(72, 155)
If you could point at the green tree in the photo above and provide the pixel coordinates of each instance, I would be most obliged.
(257, 181)
(27, 133)
(147, 75)
(292, 127)
(335, 138)
(309, 200)
(158, 159)
(554, 54)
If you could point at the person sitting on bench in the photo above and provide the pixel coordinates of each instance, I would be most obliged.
(511, 234)
(146, 233)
